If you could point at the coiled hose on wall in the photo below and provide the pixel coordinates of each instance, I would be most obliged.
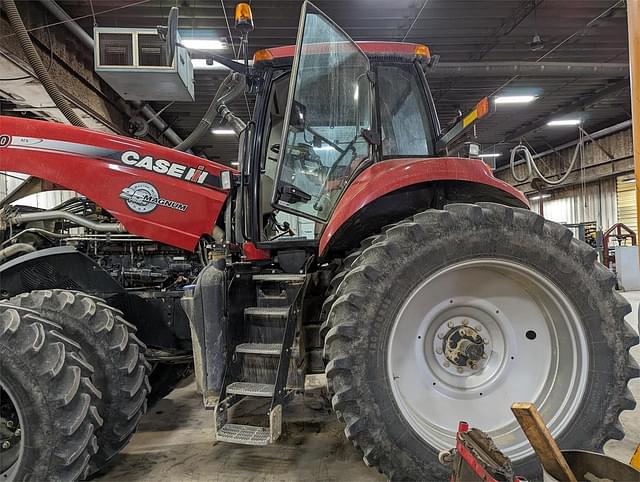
(532, 167)
(36, 63)
(229, 89)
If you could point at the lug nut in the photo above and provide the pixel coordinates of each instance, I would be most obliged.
(440, 335)
(18, 432)
(6, 444)
(465, 322)
(439, 351)
(478, 328)
(450, 324)
(9, 424)
(446, 364)
(459, 369)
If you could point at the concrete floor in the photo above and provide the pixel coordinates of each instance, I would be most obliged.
(175, 441)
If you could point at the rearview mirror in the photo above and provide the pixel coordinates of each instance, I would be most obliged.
(298, 116)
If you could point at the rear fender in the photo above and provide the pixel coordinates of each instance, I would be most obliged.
(156, 192)
(392, 190)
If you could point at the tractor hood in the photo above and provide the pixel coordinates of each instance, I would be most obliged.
(156, 192)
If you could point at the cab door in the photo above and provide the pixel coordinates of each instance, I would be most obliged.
(327, 119)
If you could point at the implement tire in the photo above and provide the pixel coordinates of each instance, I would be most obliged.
(111, 347)
(46, 396)
(538, 310)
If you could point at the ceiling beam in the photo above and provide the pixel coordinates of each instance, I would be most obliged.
(541, 69)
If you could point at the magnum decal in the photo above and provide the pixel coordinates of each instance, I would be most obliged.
(143, 197)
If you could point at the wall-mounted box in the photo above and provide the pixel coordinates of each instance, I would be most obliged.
(133, 63)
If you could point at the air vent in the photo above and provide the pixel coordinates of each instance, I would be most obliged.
(116, 49)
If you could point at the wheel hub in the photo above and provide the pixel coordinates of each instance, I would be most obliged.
(462, 345)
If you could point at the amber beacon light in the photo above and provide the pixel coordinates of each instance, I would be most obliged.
(244, 18)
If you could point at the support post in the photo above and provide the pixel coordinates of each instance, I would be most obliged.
(633, 21)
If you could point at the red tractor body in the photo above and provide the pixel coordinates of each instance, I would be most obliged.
(156, 192)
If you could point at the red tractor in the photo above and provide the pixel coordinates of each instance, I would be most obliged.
(348, 243)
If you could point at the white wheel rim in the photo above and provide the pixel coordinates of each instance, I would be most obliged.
(506, 304)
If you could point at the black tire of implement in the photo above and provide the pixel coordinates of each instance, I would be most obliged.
(385, 273)
(50, 382)
(164, 378)
(111, 347)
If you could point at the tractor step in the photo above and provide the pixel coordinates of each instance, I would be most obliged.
(243, 434)
(260, 348)
(267, 312)
(280, 277)
(251, 389)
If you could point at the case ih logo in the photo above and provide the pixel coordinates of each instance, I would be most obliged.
(143, 198)
(168, 168)
(5, 140)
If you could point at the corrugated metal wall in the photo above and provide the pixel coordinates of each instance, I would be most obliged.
(595, 202)
(626, 196)
(43, 200)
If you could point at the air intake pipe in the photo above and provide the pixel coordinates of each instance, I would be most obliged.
(235, 84)
(79, 220)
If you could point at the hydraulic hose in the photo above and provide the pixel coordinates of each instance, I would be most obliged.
(219, 99)
(532, 167)
(14, 249)
(36, 63)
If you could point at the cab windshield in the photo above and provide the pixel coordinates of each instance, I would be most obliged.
(330, 127)
(328, 116)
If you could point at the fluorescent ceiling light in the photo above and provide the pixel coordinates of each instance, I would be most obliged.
(493, 154)
(564, 122)
(515, 99)
(204, 44)
(633, 179)
(325, 148)
(201, 64)
(540, 196)
(235, 163)
(223, 132)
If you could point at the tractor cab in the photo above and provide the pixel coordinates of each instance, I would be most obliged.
(326, 110)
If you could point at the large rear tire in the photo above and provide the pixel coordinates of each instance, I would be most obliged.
(110, 345)
(456, 314)
(48, 412)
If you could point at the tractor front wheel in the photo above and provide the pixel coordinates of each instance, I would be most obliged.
(454, 315)
(117, 356)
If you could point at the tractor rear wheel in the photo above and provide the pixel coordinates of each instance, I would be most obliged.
(454, 315)
(48, 415)
(111, 347)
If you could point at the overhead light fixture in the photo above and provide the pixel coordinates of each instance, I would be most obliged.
(492, 154)
(633, 179)
(325, 148)
(540, 196)
(223, 132)
(514, 99)
(564, 122)
(204, 44)
(536, 43)
(235, 163)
